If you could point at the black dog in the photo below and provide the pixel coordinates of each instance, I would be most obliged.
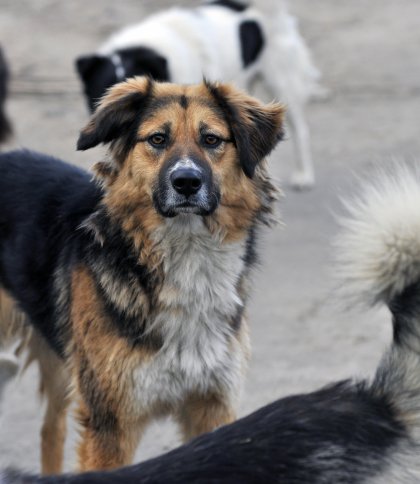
(347, 432)
(5, 127)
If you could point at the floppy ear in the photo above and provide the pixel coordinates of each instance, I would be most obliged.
(97, 74)
(117, 116)
(85, 64)
(256, 127)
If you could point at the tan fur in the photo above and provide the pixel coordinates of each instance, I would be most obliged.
(108, 381)
(13, 324)
(203, 413)
(54, 388)
(102, 374)
(107, 450)
(109, 355)
(129, 196)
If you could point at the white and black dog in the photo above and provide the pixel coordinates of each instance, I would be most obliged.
(221, 40)
(348, 432)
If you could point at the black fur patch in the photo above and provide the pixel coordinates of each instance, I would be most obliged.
(251, 254)
(97, 73)
(183, 101)
(236, 6)
(5, 126)
(252, 41)
(100, 418)
(142, 61)
(405, 308)
(113, 254)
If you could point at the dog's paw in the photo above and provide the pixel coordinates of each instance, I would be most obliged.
(301, 180)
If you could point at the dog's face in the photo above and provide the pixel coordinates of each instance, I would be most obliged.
(180, 147)
(184, 149)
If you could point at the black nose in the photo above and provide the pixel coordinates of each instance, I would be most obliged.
(186, 181)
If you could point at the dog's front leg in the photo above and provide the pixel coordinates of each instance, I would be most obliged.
(108, 441)
(102, 364)
(202, 414)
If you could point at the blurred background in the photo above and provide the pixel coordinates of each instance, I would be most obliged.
(302, 337)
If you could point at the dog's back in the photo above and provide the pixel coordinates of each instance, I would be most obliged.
(43, 202)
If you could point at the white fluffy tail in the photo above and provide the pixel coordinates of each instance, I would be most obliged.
(379, 248)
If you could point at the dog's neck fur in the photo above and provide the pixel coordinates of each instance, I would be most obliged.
(191, 266)
(201, 273)
(195, 309)
(198, 304)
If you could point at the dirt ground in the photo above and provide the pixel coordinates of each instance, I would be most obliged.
(302, 336)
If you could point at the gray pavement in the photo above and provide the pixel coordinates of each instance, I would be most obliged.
(302, 337)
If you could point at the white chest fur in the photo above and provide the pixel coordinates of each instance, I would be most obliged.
(198, 298)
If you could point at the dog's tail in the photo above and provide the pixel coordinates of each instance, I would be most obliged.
(379, 260)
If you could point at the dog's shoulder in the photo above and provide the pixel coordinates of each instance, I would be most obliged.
(46, 183)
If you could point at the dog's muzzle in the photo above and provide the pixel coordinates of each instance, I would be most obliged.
(186, 188)
(186, 181)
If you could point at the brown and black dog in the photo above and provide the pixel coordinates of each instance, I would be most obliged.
(135, 284)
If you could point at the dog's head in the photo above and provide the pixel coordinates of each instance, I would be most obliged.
(99, 72)
(184, 149)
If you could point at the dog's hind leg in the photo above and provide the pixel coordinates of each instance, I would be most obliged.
(54, 382)
(290, 74)
(13, 328)
(54, 379)
(201, 414)
(303, 177)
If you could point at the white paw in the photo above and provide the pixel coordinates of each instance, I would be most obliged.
(301, 180)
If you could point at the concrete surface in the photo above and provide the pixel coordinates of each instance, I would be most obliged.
(302, 338)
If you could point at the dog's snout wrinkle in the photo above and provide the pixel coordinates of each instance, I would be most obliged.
(186, 181)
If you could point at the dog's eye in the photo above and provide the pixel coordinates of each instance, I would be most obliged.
(157, 140)
(211, 140)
